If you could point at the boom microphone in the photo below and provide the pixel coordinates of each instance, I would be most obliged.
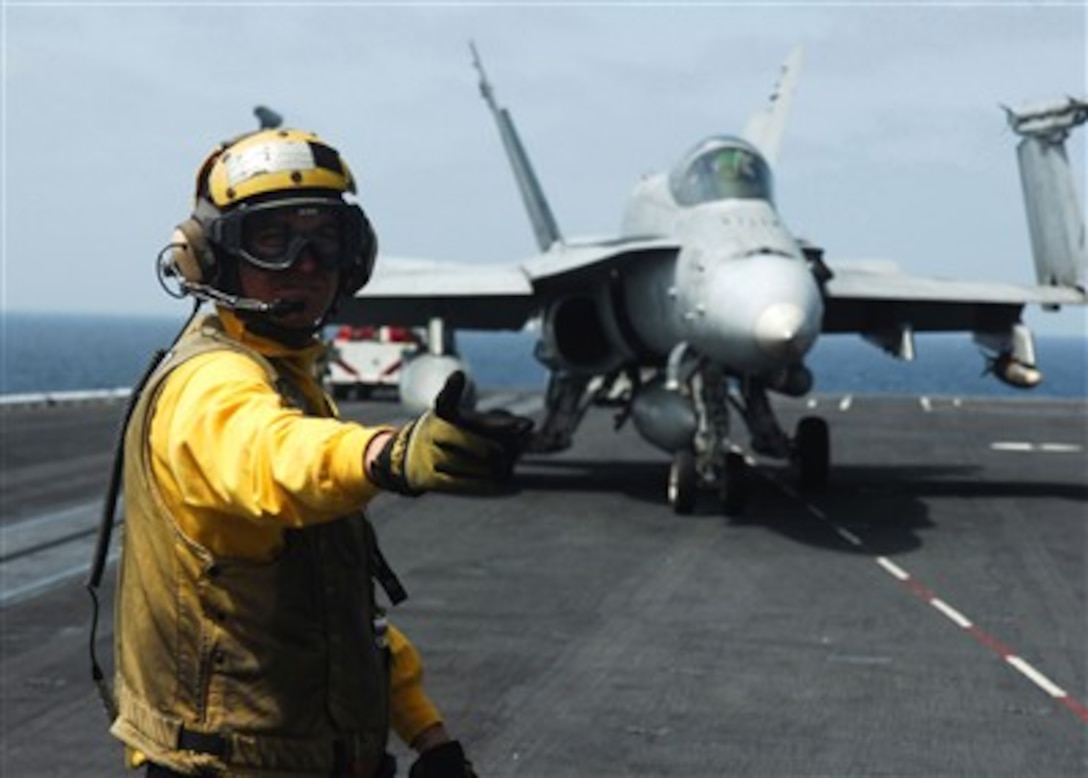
(165, 269)
(277, 307)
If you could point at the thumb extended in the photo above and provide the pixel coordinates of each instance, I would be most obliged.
(447, 405)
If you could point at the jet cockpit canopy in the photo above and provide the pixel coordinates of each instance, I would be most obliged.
(722, 167)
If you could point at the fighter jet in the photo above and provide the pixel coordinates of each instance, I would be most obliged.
(705, 303)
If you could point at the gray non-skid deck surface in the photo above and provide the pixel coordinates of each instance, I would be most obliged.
(579, 628)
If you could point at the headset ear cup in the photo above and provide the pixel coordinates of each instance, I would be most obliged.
(360, 274)
(191, 254)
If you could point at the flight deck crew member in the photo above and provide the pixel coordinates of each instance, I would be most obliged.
(248, 639)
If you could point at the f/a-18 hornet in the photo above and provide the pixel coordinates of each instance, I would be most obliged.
(705, 302)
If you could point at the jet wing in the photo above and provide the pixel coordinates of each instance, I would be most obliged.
(876, 297)
(411, 292)
(494, 297)
(570, 264)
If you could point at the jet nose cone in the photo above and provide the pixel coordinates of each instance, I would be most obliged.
(784, 332)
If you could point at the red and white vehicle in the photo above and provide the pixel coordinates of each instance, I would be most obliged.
(362, 359)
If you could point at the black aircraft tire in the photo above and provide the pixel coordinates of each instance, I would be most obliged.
(813, 451)
(736, 484)
(682, 483)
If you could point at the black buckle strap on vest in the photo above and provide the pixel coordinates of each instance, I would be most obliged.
(207, 743)
(203, 743)
(105, 530)
(382, 572)
(345, 753)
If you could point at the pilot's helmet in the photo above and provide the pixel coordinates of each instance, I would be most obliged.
(256, 174)
(730, 164)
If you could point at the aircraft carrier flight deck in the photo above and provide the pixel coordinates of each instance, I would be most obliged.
(925, 616)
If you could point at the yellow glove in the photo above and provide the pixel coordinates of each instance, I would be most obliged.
(452, 449)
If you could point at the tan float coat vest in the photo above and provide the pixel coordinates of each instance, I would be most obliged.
(280, 659)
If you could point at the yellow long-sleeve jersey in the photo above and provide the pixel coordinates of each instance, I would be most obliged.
(237, 467)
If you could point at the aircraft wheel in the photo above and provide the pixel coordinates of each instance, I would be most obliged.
(736, 484)
(682, 483)
(813, 451)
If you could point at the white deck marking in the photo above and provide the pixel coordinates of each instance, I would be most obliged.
(1036, 677)
(942, 606)
(892, 568)
(1003, 445)
(1061, 448)
(1022, 446)
(951, 613)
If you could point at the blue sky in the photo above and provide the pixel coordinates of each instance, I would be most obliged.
(897, 147)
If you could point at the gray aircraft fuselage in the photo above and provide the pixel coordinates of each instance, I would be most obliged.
(739, 290)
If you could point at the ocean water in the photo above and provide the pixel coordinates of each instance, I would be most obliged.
(49, 352)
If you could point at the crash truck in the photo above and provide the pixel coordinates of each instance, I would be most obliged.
(363, 360)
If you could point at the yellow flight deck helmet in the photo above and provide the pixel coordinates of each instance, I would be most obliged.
(260, 171)
(272, 162)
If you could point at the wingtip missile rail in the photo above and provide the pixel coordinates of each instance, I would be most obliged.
(1051, 118)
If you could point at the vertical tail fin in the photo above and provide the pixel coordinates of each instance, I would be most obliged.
(765, 127)
(1055, 218)
(536, 205)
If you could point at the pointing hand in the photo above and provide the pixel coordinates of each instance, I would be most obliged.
(452, 448)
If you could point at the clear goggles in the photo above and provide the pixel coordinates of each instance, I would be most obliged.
(276, 234)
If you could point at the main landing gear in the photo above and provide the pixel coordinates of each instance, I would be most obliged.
(812, 453)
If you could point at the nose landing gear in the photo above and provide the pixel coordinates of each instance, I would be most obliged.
(733, 483)
(713, 463)
(683, 483)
